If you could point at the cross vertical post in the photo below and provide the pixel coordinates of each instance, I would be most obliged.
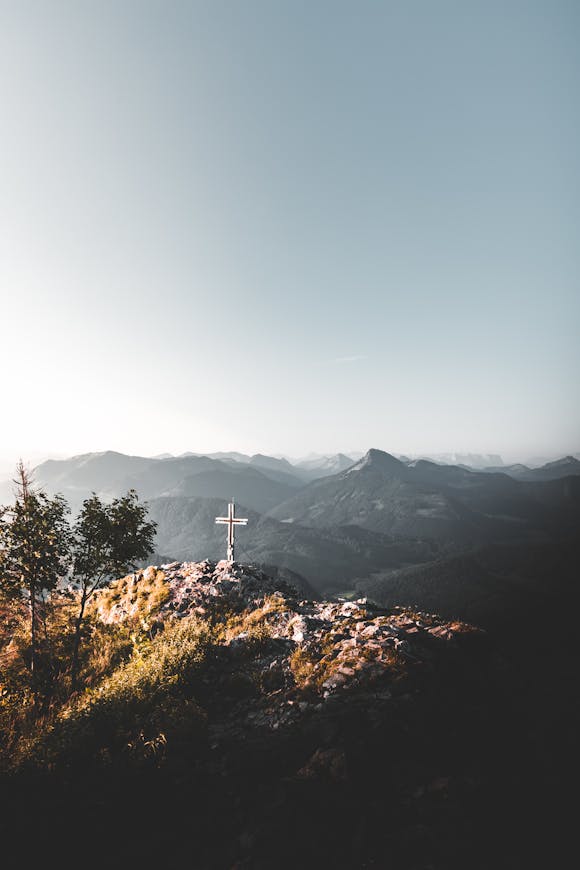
(231, 521)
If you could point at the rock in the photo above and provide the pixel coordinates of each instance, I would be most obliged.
(441, 632)
(149, 574)
(334, 682)
(327, 764)
(299, 628)
(273, 677)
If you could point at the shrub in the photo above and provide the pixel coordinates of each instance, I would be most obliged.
(303, 663)
(150, 695)
(252, 622)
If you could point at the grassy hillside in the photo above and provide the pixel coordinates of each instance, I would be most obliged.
(223, 721)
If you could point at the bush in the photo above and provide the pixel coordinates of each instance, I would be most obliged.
(147, 702)
(303, 665)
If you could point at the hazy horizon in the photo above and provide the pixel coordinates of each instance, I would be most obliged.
(288, 227)
(8, 465)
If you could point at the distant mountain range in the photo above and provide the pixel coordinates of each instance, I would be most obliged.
(263, 482)
(428, 501)
(374, 525)
(477, 461)
(568, 465)
(257, 485)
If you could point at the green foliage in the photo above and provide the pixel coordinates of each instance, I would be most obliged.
(91, 547)
(130, 682)
(37, 550)
(34, 547)
(110, 539)
(34, 542)
(130, 536)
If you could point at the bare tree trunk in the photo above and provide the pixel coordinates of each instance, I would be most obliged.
(23, 481)
(43, 616)
(77, 642)
(32, 627)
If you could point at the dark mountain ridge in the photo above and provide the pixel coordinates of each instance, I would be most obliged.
(564, 467)
(330, 559)
(426, 500)
(247, 484)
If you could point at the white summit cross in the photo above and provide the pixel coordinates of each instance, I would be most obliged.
(231, 520)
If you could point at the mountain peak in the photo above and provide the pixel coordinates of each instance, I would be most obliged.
(565, 460)
(263, 461)
(379, 460)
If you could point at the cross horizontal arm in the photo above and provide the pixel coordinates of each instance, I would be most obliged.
(235, 521)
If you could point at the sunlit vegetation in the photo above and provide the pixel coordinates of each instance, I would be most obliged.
(253, 622)
(141, 593)
(144, 705)
(92, 673)
(54, 648)
(313, 665)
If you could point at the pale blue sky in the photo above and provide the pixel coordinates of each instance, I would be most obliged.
(290, 226)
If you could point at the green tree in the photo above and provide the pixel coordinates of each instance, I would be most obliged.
(109, 540)
(34, 548)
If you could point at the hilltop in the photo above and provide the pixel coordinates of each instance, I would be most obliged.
(236, 723)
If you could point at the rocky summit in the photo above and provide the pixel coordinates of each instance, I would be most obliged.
(241, 726)
(334, 733)
(298, 647)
